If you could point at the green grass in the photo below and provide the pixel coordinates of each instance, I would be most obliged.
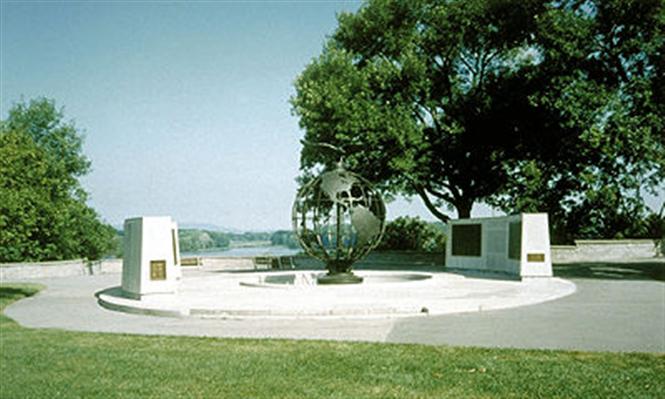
(42, 363)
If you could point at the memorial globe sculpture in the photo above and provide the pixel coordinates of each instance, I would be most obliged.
(338, 218)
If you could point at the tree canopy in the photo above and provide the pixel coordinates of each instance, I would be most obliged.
(43, 211)
(526, 105)
(192, 240)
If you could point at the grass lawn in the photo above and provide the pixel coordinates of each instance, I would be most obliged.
(41, 363)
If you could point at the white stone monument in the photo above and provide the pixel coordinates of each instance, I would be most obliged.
(517, 245)
(151, 260)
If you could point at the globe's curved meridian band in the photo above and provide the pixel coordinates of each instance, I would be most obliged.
(338, 218)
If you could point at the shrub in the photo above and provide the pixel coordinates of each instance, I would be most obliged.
(412, 234)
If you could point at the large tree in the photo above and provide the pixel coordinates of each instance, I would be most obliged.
(43, 214)
(601, 83)
(523, 104)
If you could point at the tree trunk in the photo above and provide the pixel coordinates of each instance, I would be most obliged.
(464, 210)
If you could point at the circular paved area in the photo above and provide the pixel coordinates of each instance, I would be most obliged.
(602, 315)
(383, 294)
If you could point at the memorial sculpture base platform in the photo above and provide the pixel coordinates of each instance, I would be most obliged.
(298, 295)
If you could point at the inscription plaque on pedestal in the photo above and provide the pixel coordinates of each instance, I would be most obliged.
(157, 270)
(151, 261)
(535, 257)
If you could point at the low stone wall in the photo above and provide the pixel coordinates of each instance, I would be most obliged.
(81, 267)
(107, 266)
(604, 250)
(21, 271)
(564, 253)
(227, 263)
(65, 268)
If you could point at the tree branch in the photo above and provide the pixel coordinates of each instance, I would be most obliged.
(440, 195)
(485, 61)
(462, 58)
(454, 191)
(420, 117)
(431, 115)
(430, 206)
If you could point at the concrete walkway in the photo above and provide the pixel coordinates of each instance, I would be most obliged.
(603, 315)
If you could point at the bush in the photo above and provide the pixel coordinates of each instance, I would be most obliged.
(412, 234)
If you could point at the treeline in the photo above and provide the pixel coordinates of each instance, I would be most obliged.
(402, 234)
(193, 240)
(285, 238)
(198, 240)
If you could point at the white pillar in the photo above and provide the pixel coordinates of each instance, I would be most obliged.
(536, 257)
(151, 259)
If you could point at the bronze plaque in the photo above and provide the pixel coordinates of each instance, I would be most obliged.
(467, 240)
(535, 257)
(157, 270)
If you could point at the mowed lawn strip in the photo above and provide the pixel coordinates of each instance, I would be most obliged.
(42, 363)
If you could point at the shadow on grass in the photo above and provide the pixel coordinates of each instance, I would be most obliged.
(612, 271)
(16, 292)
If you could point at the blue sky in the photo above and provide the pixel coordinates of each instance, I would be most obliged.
(184, 105)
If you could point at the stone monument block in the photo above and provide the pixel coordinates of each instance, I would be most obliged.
(151, 259)
(518, 245)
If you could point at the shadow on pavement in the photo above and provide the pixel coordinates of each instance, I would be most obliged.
(612, 271)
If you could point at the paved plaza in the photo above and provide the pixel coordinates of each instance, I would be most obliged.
(603, 314)
(295, 294)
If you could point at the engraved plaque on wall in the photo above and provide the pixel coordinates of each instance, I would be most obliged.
(157, 270)
(467, 240)
(514, 240)
(535, 257)
(173, 244)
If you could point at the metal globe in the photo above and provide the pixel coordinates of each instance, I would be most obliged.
(338, 218)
